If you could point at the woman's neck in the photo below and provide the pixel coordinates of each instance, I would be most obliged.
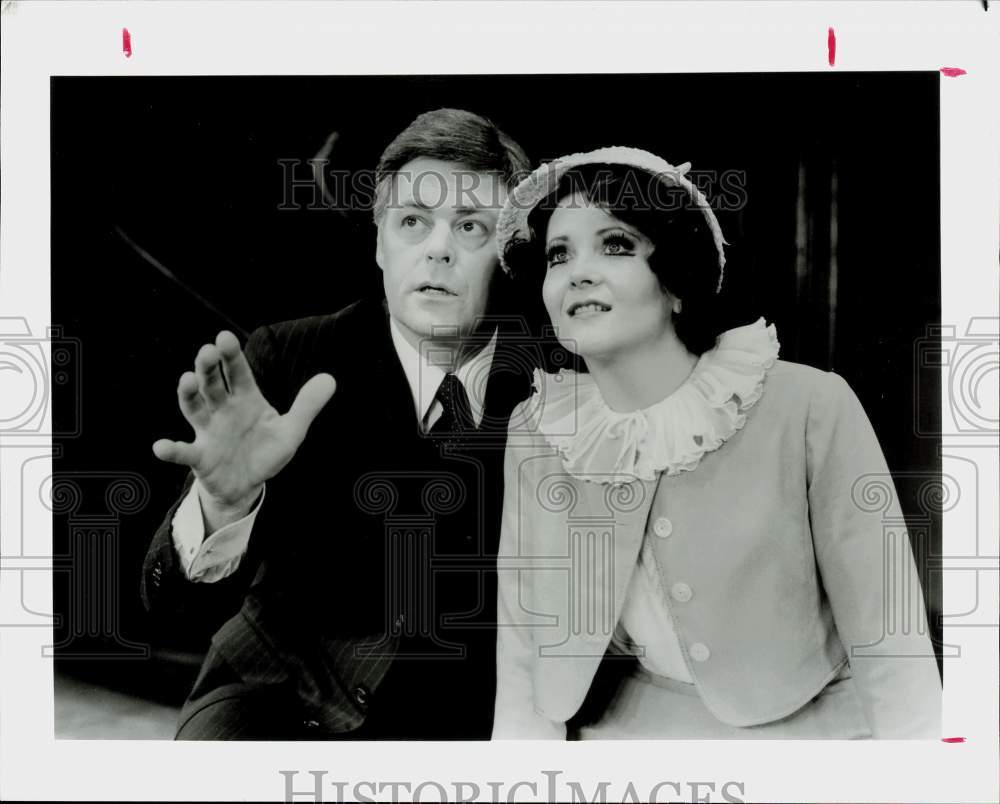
(643, 376)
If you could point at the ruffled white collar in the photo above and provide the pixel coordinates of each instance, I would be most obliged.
(600, 445)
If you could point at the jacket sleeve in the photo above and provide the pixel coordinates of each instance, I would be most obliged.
(182, 612)
(187, 612)
(867, 567)
(515, 716)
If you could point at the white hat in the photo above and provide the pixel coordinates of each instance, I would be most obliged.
(512, 224)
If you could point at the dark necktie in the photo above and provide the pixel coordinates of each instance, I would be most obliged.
(456, 414)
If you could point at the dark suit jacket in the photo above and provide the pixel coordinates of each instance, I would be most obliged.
(351, 532)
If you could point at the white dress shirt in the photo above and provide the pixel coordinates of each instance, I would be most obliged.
(646, 619)
(425, 373)
(209, 559)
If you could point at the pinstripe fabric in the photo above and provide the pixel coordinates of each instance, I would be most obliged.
(230, 709)
(291, 656)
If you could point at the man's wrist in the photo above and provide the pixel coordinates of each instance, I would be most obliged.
(218, 514)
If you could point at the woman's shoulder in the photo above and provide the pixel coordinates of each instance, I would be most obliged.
(524, 430)
(562, 428)
(791, 383)
(554, 405)
(797, 374)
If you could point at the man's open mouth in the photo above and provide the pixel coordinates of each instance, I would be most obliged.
(435, 290)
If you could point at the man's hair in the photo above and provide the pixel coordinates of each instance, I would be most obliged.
(451, 135)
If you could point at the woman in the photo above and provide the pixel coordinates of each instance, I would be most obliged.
(689, 501)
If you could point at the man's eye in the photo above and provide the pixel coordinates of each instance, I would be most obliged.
(410, 222)
(472, 227)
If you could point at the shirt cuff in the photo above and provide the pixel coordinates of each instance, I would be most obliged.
(208, 560)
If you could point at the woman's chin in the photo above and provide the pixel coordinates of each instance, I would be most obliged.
(586, 339)
(587, 347)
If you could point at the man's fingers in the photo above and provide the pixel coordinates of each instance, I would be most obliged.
(209, 372)
(235, 363)
(310, 401)
(191, 402)
(178, 452)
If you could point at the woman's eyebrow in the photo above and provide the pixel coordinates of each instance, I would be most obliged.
(618, 227)
(559, 239)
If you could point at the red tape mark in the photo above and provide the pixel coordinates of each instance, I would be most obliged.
(952, 72)
(831, 46)
(953, 739)
(126, 43)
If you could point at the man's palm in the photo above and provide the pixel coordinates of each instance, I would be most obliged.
(240, 439)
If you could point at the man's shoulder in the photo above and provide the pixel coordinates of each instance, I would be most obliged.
(362, 314)
(285, 354)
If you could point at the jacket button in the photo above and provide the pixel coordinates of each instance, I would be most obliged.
(699, 652)
(681, 592)
(361, 695)
(663, 527)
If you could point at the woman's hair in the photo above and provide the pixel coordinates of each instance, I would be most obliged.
(684, 258)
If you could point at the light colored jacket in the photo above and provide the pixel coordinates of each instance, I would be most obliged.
(785, 557)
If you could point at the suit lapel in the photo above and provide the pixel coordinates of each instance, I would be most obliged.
(509, 383)
(372, 394)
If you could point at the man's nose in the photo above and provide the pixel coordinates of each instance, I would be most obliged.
(438, 247)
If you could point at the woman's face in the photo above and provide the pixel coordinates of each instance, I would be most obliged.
(599, 290)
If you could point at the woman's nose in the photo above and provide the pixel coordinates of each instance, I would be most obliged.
(583, 273)
(438, 246)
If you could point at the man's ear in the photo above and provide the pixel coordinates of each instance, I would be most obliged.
(379, 254)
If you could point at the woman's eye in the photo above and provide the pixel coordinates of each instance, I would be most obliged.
(618, 244)
(556, 256)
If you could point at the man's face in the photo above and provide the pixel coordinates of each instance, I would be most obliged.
(436, 247)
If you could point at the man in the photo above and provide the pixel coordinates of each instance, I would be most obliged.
(351, 543)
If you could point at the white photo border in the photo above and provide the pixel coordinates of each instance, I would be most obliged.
(44, 39)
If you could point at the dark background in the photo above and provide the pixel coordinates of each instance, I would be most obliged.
(837, 245)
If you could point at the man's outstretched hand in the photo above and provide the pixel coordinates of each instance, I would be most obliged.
(240, 440)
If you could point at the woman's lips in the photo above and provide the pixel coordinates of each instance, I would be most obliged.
(588, 309)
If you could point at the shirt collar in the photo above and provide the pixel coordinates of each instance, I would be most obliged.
(424, 377)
